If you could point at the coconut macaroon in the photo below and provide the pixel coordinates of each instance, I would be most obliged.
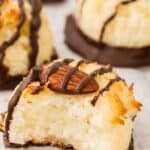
(105, 30)
(25, 39)
(72, 104)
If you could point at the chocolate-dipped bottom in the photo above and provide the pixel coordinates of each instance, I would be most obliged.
(64, 147)
(22, 49)
(105, 54)
(53, 1)
(92, 97)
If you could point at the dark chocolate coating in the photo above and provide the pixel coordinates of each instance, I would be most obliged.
(111, 82)
(53, 1)
(64, 147)
(8, 82)
(131, 147)
(117, 56)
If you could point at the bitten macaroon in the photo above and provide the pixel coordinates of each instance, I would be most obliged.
(72, 104)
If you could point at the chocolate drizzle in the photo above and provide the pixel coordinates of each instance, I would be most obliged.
(16, 35)
(69, 75)
(12, 40)
(100, 71)
(85, 81)
(7, 81)
(105, 70)
(53, 68)
(32, 76)
(109, 19)
(50, 70)
(111, 82)
(112, 17)
(34, 28)
(105, 25)
(37, 89)
(64, 77)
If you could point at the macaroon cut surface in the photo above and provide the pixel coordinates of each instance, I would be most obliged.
(99, 119)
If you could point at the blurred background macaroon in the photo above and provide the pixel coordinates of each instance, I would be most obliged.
(25, 40)
(111, 32)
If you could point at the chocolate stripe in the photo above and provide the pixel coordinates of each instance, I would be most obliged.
(67, 60)
(13, 39)
(112, 17)
(32, 76)
(107, 20)
(68, 75)
(16, 35)
(111, 82)
(53, 68)
(85, 81)
(34, 28)
(103, 70)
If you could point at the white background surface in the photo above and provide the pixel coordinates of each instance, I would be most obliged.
(141, 77)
